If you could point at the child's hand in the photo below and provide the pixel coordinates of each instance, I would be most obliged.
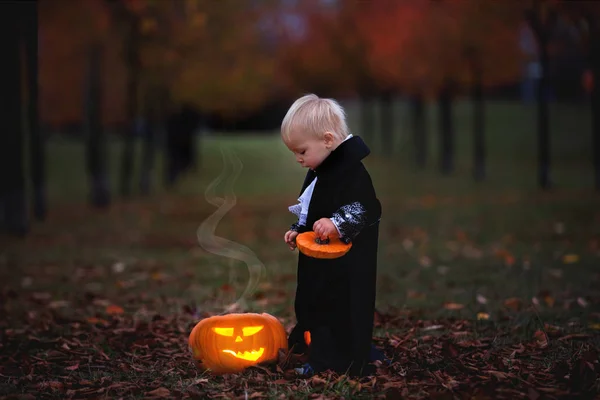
(324, 228)
(290, 239)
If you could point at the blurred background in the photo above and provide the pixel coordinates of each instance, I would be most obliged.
(482, 117)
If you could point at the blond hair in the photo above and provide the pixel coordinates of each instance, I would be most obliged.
(313, 115)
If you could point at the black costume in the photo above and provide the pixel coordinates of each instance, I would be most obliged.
(335, 298)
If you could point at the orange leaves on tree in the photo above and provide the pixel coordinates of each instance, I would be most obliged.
(67, 29)
(415, 46)
(312, 56)
(184, 48)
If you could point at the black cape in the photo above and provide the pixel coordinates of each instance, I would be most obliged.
(335, 298)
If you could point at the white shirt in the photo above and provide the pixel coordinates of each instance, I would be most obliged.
(301, 209)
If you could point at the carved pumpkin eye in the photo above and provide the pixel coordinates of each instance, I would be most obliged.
(224, 331)
(251, 330)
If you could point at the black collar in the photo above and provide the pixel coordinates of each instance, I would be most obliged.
(346, 155)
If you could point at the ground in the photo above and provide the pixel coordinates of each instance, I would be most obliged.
(485, 290)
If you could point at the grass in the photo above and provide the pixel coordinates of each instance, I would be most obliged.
(450, 248)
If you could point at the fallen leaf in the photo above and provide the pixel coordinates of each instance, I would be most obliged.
(101, 302)
(256, 395)
(95, 320)
(549, 300)
(425, 262)
(582, 302)
(433, 327)
(570, 258)
(318, 381)
(114, 310)
(559, 228)
(449, 350)
(160, 392)
(58, 304)
(159, 276)
(442, 269)
(227, 288)
(533, 394)
(408, 244)
(26, 282)
(73, 367)
(498, 374)
(483, 316)
(509, 259)
(118, 267)
(481, 299)
(41, 296)
(413, 294)
(453, 306)
(575, 336)
(555, 273)
(513, 303)
(541, 339)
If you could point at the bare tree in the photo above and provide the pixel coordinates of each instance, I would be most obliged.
(13, 204)
(542, 20)
(36, 139)
(96, 151)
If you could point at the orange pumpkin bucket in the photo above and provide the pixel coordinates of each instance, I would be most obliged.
(311, 245)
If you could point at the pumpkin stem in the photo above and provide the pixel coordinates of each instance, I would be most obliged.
(318, 240)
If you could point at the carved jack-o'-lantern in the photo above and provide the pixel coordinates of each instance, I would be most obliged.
(311, 245)
(233, 342)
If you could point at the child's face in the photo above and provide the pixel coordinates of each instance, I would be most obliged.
(310, 151)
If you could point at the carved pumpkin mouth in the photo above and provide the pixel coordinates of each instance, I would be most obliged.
(247, 355)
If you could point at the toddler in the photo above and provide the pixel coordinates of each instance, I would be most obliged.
(335, 298)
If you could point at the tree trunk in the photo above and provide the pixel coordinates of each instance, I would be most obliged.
(419, 131)
(13, 203)
(595, 100)
(148, 131)
(148, 150)
(446, 128)
(96, 151)
(366, 115)
(36, 139)
(478, 126)
(133, 72)
(542, 22)
(387, 123)
(543, 117)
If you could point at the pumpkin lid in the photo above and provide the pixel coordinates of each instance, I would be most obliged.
(311, 245)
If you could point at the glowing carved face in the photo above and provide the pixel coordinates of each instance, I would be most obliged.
(241, 353)
(233, 342)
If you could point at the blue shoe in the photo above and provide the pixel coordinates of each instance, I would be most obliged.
(306, 370)
(377, 355)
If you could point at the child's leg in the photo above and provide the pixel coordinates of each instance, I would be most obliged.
(323, 350)
(333, 350)
(296, 343)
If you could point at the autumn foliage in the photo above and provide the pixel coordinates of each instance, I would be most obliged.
(232, 57)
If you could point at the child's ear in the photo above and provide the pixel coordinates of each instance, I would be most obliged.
(328, 138)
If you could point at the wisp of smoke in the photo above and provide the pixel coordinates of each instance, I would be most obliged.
(221, 246)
